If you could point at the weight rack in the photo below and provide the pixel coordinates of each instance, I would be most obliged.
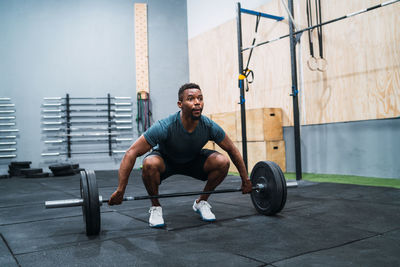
(8, 132)
(70, 123)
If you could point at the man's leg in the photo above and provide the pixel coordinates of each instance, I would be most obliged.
(153, 166)
(216, 167)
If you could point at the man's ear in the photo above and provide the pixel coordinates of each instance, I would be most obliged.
(179, 104)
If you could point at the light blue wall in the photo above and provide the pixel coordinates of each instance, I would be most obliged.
(85, 48)
(363, 148)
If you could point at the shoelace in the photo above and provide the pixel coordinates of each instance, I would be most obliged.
(204, 203)
(154, 210)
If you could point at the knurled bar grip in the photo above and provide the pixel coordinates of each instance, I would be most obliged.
(78, 202)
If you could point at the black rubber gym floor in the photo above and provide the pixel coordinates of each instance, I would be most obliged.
(321, 225)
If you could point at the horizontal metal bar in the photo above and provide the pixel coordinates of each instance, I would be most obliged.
(52, 204)
(86, 104)
(82, 152)
(87, 116)
(268, 16)
(8, 136)
(7, 149)
(291, 184)
(9, 131)
(7, 143)
(323, 23)
(88, 128)
(104, 97)
(87, 110)
(7, 105)
(7, 111)
(8, 156)
(86, 122)
(86, 134)
(7, 118)
(5, 99)
(114, 140)
(7, 124)
(193, 193)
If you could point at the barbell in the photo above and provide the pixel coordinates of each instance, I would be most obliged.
(268, 194)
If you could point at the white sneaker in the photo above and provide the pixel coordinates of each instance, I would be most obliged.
(156, 218)
(204, 209)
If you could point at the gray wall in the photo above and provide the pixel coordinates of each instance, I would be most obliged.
(364, 148)
(85, 48)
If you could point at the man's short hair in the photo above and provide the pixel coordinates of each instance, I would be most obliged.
(186, 86)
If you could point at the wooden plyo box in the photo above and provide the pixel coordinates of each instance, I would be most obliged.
(227, 121)
(263, 124)
(210, 145)
(265, 150)
(232, 167)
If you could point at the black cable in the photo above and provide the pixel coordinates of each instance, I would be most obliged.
(319, 28)
(253, 42)
(309, 24)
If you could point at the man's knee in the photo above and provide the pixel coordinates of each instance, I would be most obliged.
(152, 166)
(217, 161)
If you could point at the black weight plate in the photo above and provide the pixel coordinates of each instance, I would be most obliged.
(18, 167)
(284, 187)
(86, 205)
(64, 172)
(269, 200)
(38, 175)
(16, 164)
(94, 228)
(75, 166)
(31, 171)
(60, 167)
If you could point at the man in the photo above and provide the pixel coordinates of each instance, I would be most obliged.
(177, 143)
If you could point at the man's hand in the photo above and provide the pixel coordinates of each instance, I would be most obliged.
(247, 186)
(116, 198)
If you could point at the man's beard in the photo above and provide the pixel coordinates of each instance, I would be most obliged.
(195, 118)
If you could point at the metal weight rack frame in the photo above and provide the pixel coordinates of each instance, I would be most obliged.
(8, 133)
(80, 125)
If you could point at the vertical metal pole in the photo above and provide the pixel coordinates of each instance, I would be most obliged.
(67, 105)
(295, 95)
(241, 86)
(109, 124)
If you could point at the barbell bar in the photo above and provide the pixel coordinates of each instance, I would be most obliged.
(113, 140)
(87, 110)
(104, 97)
(8, 136)
(86, 122)
(88, 128)
(86, 116)
(268, 194)
(87, 104)
(82, 152)
(8, 156)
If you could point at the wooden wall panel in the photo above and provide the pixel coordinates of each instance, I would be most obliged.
(141, 48)
(361, 82)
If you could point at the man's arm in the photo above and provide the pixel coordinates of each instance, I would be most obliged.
(137, 149)
(227, 145)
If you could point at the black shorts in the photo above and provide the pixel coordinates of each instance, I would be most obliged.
(194, 168)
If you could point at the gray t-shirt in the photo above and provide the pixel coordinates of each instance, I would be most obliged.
(171, 138)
